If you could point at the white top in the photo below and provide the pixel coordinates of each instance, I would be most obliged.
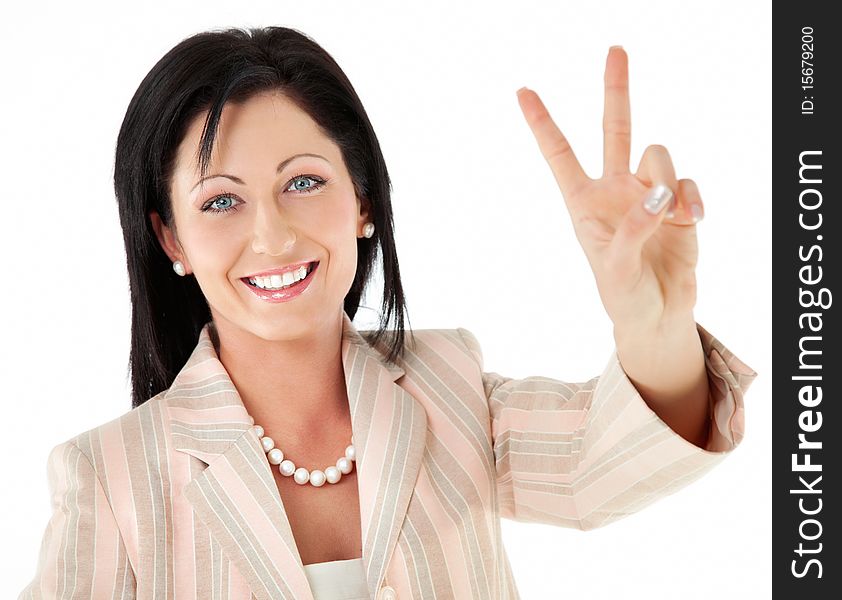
(338, 580)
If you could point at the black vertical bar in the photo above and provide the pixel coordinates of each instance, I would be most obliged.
(807, 368)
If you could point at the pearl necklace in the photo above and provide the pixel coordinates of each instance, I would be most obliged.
(316, 477)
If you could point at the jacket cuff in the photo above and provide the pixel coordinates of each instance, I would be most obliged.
(729, 378)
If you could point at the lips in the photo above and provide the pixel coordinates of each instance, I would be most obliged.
(284, 294)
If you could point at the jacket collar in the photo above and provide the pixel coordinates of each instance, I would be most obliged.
(236, 497)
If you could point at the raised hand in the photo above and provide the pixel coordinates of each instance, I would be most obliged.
(639, 236)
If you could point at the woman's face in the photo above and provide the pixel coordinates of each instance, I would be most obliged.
(277, 207)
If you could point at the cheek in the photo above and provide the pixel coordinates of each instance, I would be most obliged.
(212, 249)
(336, 214)
(347, 259)
(337, 233)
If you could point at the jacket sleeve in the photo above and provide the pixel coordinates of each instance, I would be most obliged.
(583, 455)
(82, 553)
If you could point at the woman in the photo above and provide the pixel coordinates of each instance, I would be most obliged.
(273, 451)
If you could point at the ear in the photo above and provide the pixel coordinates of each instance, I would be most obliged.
(168, 240)
(364, 211)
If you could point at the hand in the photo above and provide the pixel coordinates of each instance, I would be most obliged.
(644, 264)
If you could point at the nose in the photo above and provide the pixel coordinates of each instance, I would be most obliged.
(273, 233)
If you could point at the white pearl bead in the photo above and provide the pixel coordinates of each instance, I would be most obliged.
(333, 474)
(301, 476)
(344, 465)
(275, 456)
(317, 478)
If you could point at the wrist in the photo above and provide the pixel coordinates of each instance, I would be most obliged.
(674, 326)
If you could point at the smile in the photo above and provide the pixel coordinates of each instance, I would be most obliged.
(283, 292)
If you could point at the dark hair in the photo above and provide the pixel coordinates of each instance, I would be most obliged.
(202, 73)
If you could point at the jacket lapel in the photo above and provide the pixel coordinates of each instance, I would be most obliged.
(235, 496)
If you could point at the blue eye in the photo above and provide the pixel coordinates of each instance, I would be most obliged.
(227, 196)
(319, 182)
(222, 196)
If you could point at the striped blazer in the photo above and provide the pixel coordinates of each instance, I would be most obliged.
(176, 499)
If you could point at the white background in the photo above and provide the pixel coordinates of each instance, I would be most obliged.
(484, 238)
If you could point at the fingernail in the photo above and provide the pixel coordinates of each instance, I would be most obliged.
(697, 212)
(522, 89)
(657, 199)
(616, 48)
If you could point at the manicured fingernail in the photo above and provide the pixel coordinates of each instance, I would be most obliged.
(616, 48)
(657, 199)
(697, 212)
(522, 89)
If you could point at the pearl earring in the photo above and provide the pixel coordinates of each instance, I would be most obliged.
(368, 229)
(178, 267)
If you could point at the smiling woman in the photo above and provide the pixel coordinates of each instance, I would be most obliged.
(254, 200)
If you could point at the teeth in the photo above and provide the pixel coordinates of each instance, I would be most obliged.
(278, 282)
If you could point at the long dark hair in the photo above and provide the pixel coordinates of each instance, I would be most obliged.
(202, 73)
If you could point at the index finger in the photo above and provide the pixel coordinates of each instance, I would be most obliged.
(552, 142)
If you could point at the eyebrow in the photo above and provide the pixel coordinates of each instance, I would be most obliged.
(280, 168)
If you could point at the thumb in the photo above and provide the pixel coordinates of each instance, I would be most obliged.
(638, 225)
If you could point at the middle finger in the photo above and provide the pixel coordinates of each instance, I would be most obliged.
(616, 120)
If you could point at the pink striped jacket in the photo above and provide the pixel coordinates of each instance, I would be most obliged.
(175, 498)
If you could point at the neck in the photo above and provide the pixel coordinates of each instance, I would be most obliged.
(293, 388)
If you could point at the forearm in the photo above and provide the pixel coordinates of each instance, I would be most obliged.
(667, 366)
